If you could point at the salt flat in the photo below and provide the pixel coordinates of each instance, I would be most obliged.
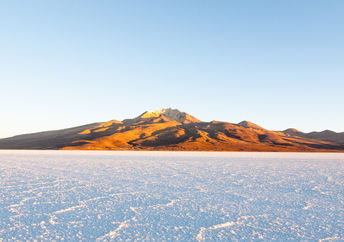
(186, 196)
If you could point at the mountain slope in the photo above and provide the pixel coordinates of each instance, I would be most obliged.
(45, 140)
(170, 129)
(326, 135)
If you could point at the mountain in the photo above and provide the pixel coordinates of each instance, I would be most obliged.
(292, 131)
(171, 129)
(170, 114)
(326, 135)
(248, 124)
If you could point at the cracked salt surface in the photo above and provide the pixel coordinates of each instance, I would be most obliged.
(186, 196)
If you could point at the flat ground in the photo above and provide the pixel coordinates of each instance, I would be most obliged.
(188, 196)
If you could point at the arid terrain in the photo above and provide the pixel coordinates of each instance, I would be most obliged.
(170, 129)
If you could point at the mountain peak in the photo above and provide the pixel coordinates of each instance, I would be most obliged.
(248, 124)
(150, 114)
(292, 131)
(171, 114)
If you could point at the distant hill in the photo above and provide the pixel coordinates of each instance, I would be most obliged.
(170, 129)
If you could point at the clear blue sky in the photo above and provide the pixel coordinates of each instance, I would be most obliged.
(279, 64)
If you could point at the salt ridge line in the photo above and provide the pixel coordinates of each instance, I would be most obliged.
(200, 235)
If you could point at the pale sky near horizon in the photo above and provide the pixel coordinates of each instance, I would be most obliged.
(279, 64)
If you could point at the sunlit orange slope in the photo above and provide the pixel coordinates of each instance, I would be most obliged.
(170, 129)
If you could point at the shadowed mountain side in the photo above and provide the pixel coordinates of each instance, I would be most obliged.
(55, 139)
(170, 129)
(326, 135)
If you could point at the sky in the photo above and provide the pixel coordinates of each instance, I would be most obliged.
(64, 63)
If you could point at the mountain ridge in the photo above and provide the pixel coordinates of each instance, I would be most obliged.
(171, 129)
